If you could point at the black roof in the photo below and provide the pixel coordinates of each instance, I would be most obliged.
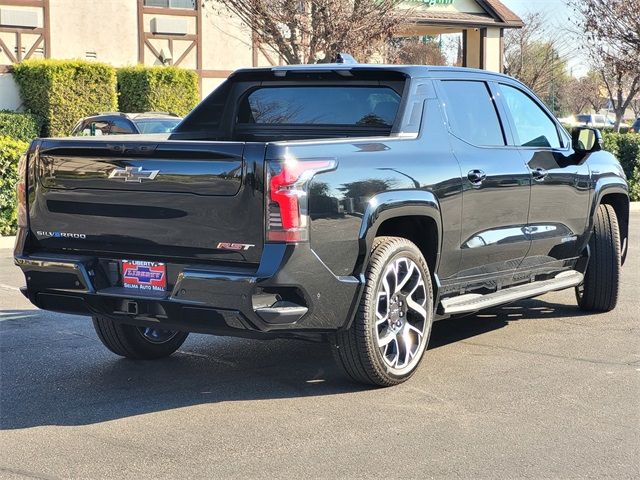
(412, 71)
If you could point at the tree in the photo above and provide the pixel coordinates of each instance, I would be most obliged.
(580, 93)
(622, 85)
(612, 28)
(635, 107)
(310, 31)
(594, 90)
(413, 51)
(533, 56)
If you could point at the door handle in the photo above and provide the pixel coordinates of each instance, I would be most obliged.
(539, 174)
(476, 176)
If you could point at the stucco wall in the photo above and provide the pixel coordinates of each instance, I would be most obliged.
(492, 50)
(473, 48)
(108, 28)
(9, 93)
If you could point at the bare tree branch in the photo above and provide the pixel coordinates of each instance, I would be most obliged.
(310, 31)
(612, 28)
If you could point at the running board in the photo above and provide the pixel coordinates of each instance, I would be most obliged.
(473, 302)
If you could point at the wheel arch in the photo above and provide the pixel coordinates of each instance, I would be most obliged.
(413, 214)
(615, 194)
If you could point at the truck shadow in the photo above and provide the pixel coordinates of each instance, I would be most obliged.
(54, 371)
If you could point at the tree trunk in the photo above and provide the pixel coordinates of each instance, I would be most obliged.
(619, 117)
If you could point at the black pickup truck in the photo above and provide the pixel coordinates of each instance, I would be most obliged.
(353, 204)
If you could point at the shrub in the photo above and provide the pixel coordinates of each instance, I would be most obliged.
(10, 151)
(61, 92)
(160, 89)
(626, 147)
(634, 185)
(21, 126)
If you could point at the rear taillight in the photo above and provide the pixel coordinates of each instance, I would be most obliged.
(22, 191)
(287, 200)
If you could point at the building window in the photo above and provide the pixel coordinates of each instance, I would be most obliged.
(189, 4)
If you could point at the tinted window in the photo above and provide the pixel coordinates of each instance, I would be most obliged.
(121, 127)
(373, 106)
(472, 113)
(533, 126)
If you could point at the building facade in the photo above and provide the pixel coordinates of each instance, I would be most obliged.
(208, 40)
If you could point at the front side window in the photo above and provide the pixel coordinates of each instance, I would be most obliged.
(533, 126)
(318, 105)
(472, 113)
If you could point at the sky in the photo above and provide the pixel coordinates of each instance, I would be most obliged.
(558, 14)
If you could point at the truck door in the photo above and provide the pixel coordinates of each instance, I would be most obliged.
(560, 192)
(496, 183)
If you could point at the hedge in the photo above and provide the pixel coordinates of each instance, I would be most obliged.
(10, 152)
(626, 147)
(21, 126)
(159, 89)
(61, 92)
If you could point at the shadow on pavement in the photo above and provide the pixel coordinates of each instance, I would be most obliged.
(54, 371)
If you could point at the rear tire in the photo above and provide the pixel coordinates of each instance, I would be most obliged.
(391, 330)
(137, 343)
(599, 291)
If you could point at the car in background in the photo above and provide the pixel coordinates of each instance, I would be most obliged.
(118, 123)
(635, 128)
(597, 121)
(593, 120)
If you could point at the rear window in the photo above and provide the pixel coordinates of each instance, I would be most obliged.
(326, 105)
(158, 125)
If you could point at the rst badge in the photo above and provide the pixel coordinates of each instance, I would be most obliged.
(141, 275)
(133, 174)
(238, 247)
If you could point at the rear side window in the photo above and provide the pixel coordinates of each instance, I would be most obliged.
(339, 105)
(472, 113)
(92, 129)
(533, 126)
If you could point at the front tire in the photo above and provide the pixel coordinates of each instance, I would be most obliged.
(599, 291)
(391, 330)
(138, 343)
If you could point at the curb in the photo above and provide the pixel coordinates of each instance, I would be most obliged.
(7, 242)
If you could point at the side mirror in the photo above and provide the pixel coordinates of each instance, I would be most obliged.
(586, 139)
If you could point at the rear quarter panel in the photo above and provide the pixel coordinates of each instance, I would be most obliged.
(368, 167)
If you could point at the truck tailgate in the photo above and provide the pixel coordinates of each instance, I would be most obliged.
(192, 200)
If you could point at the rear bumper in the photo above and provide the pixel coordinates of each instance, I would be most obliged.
(204, 299)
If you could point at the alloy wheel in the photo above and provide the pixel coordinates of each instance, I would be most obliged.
(401, 315)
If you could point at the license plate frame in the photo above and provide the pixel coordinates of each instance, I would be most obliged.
(143, 275)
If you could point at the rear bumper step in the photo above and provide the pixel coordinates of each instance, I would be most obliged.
(475, 302)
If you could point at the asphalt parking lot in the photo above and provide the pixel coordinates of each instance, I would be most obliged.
(532, 390)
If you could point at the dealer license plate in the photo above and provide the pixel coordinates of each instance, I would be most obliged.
(141, 275)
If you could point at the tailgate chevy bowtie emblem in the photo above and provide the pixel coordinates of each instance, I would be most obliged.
(133, 174)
